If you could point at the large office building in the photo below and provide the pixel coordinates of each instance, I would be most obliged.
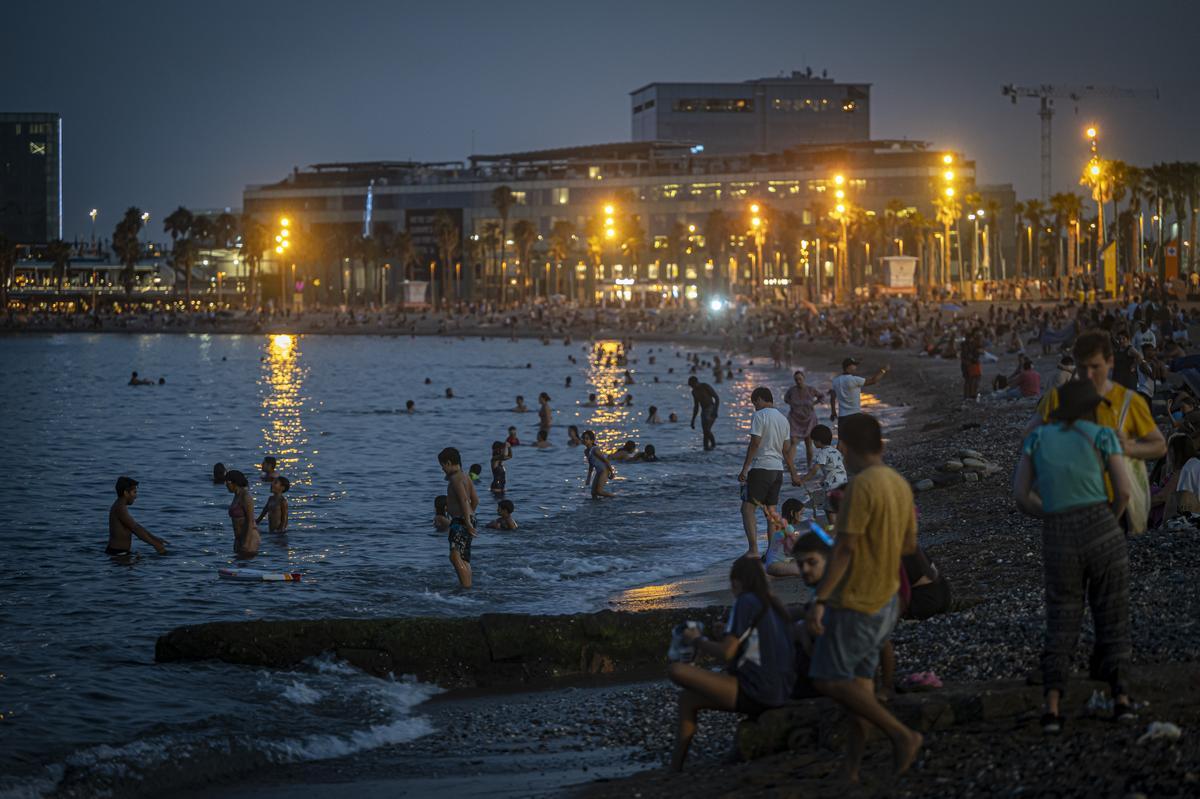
(30, 177)
(762, 115)
(657, 197)
(643, 213)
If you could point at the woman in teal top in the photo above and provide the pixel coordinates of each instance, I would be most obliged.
(1061, 479)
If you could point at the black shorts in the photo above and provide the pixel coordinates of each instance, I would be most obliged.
(762, 486)
(929, 600)
(748, 705)
(842, 419)
(118, 553)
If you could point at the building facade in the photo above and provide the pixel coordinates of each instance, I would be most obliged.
(30, 177)
(662, 202)
(755, 116)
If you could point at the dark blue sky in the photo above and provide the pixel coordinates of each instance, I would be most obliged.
(184, 103)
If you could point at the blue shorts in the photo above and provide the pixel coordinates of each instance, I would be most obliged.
(849, 648)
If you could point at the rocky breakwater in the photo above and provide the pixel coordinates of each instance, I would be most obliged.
(495, 649)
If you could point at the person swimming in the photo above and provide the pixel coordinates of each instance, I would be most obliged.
(218, 474)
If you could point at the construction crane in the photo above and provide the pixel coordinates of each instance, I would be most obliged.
(1047, 95)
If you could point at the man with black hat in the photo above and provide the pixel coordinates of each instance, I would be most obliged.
(845, 398)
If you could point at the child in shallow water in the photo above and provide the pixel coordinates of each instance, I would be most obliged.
(500, 453)
(441, 515)
(504, 516)
(276, 507)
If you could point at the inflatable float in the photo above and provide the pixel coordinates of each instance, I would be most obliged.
(256, 576)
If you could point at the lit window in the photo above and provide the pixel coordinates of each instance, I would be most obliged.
(518, 198)
(594, 173)
(560, 196)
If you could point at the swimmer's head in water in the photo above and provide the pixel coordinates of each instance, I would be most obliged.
(520, 400)
(541, 435)
(588, 437)
(543, 397)
(649, 452)
(629, 446)
(498, 448)
(410, 405)
(591, 397)
(268, 464)
(125, 485)
(475, 470)
(512, 431)
(506, 506)
(439, 504)
(219, 473)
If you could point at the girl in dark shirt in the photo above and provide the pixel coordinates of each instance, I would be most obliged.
(758, 649)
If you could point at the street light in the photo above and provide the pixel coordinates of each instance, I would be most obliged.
(92, 214)
(947, 159)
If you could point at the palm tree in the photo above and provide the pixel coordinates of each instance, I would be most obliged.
(1034, 213)
(562, 242)
(717, 230)
(919, 228)
(8, 260)
(634, 240)
(491, 239)
(524, 237)
(596, 239)
(502, 201)
(677, 246)
(178, 224)
(127, 245)
(58, 252)
(1019, 227)
(255, 241)
(449, 241)
(405, 252)
(948, 211)
(891, 222)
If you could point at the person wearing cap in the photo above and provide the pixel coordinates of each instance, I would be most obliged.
(845, 398)
(1061, 478)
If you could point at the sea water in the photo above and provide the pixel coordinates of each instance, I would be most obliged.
(83, 706)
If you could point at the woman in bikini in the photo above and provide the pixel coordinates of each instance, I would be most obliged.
(241, 513)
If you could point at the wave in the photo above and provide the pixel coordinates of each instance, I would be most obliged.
(306, 703)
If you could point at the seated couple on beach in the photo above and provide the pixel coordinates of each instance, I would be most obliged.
(855, 607)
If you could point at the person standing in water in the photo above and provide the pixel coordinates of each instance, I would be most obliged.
(241, 513)
(461, 502)
(802, 416)
(545, 414)
(121, 525)
(600, 471)
(705, 401)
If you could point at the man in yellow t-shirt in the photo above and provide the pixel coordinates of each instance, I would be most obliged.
(1139, 436)
(856, 604)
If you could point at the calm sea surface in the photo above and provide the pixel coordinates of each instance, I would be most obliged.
(83, 707)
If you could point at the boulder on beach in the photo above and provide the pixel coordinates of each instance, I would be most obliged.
(952, 466)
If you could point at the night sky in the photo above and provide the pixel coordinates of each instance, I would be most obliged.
(184, 103)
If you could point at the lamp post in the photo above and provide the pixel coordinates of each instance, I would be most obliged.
(610, 236)
(282, 244)
(1095, 173)
(758, 230)
(92, 213)
(145, 221)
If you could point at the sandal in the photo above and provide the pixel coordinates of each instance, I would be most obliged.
(1052, 724)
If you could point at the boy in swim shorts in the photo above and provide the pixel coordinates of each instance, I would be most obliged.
(461, 502)
(276, 506)
(121, 525)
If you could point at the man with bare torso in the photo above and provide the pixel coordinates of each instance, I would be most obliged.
(121, 524)
(461, 502)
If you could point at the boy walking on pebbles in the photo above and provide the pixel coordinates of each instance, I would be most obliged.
(856, 603)
(461, 502)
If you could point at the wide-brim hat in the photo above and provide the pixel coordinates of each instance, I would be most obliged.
(1076, 398)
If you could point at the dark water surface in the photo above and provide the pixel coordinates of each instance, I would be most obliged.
(83, 706)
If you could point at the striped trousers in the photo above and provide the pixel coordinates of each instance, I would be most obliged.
(1084, 554)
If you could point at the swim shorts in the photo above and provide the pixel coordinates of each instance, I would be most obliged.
(460, 539)
(762, 486)
(850, 645)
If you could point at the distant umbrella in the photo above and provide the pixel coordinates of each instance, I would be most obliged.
(952, 308)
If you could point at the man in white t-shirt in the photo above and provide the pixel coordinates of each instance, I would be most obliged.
(845, 398)
(770, 452)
